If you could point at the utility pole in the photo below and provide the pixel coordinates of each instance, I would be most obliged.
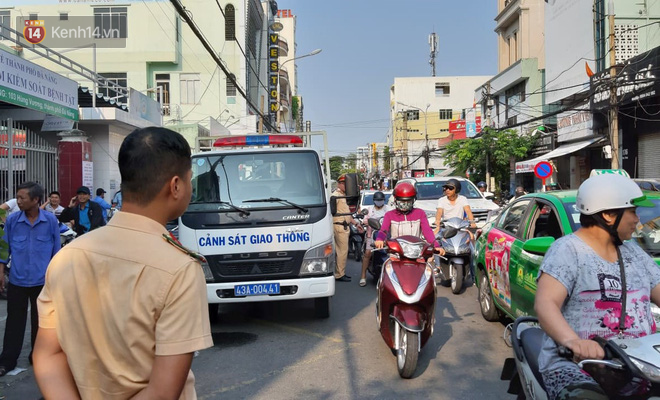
(614, 108)
(426, 136)
(488, 122)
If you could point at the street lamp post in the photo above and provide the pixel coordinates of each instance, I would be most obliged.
(426, 133)
(279, 94)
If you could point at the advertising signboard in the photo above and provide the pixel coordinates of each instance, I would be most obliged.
(28, 85)
(636, 80)
(566, 20)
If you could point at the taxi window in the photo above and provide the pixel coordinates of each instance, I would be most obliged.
(512, 217)
(544, 222)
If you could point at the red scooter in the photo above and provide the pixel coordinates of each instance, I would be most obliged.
(405, 309)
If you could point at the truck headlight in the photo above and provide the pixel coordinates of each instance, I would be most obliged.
(317, 260)
(208, 275)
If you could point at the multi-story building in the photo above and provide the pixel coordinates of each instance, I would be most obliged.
(426, 113)
(162, 57)
(583, 137)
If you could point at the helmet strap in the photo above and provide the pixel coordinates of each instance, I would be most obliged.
(612, 230)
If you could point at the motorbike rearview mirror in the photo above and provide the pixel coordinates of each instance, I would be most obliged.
(333, 205)
(374, 223)
(449, 233)
(352, 189)
(364, 211)
(539, 245)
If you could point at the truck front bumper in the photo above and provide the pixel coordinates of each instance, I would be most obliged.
(290, 289)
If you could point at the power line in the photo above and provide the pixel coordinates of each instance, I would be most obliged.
(183, 13)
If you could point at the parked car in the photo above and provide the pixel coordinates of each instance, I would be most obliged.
(429, 190)
(367, 197)
(509, 250)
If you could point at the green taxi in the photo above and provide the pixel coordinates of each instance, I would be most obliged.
(510, 248)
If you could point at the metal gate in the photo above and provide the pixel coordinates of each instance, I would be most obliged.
(24, 157)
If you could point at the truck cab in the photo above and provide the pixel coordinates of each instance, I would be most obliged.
(260, 215)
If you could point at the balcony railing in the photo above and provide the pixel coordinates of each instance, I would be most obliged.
(284, 46)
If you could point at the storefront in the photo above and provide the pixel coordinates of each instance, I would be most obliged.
(638, 99)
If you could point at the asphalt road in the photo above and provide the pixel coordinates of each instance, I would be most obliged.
(278, 350)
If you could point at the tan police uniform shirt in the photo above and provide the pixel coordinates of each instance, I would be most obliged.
(342, 208)
(119, 296)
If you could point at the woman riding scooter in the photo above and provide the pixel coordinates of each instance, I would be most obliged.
(377, 211)
(592, 284)
(405, 219)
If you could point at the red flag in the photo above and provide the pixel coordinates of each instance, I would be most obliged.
(590, 73)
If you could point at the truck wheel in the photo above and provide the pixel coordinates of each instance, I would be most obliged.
(213, 312)
(322, 307)
(457, 278)
(486, 303)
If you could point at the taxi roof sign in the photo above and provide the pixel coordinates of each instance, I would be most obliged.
(595, 172)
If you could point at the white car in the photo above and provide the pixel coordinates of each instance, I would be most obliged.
(429, 190)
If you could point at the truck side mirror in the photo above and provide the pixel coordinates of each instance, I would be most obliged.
(333, 205)
(352, 189)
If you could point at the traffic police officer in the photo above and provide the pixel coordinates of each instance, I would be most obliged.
(340, 224)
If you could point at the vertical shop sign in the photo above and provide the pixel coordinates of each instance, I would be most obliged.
(273, 72)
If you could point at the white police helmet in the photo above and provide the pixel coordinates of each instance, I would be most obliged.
(609, 192)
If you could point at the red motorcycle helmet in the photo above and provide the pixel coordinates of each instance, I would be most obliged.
(404, 196)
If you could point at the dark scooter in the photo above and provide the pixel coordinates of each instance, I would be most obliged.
(356, 236)
(378, 256)
(405, 308)
(456, 239)
(630, 370)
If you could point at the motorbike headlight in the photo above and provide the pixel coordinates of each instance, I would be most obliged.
(412, 250)
(651, 372)
(464, 248)
(208, 275)
(317, 260)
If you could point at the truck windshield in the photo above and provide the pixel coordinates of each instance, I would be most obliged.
(241, 177)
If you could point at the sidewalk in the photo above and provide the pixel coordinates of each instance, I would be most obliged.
(23, 385)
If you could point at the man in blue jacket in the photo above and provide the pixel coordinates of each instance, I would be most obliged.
(100, 200)
(33, 236)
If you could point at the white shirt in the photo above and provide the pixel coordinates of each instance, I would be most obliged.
(13, 206)
(57, 211)
(453, 210)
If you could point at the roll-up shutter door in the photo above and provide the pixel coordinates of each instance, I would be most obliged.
(649, 155)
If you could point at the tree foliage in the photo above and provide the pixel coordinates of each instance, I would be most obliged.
(336, 166)
(501, 146)
(351, 161)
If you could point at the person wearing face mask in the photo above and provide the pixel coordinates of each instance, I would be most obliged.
(406, 219)
(594, 282)
(377, 211)
(453, 204)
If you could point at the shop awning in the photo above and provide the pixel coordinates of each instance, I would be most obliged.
(528, 165)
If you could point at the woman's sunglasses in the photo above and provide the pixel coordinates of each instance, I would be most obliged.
(448, 188)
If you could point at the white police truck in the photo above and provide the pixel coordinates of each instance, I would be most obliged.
(260, 214)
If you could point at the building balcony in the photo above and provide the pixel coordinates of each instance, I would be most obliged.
(284, 74)
(283, 46)
(508, 14)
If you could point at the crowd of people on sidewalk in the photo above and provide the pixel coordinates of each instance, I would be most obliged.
(102, 282)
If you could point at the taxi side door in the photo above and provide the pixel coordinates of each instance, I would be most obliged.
(542, 220)
(502, 242)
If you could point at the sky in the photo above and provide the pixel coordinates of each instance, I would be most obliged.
(367, 43)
